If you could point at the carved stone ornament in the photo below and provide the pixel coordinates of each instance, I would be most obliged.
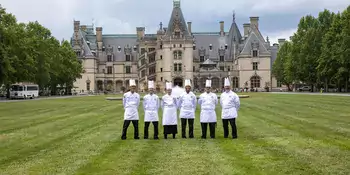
(255, 44)
(201, 51)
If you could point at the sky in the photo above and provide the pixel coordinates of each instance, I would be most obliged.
(277, 18)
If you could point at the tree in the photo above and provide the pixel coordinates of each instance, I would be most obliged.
(28, 53)
(280, 66)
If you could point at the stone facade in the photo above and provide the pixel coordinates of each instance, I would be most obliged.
(175, 53)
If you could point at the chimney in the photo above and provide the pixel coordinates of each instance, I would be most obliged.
(189, 26)
(246, 27)
(254, 21)
(222, 28)
(99, 34)
(281, 41)
(140, 32)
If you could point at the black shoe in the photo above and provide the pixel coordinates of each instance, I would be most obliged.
(156, 138)
(191, 137)
(165, 137)
(184, 137)
(123, 138)
(203, 137)
(145, 137)
(234, 137)
(136, 138)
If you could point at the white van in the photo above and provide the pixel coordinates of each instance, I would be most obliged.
(24, 91)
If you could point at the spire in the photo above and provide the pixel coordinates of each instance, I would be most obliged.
(176, 3)
(234, 16)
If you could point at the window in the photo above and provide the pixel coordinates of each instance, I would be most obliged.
(143, 50)
(228, 68)
(255, 82)
(161, 46)
(119, 49)
(175, 67)
(210, 47)
(177, 55)
(222, 68)
(161, 78)
(226, 46)
(194, 47)
(127, 58)
(152, 58)
(194, 68)
(152, 70)
(88, 86)
(177, 34)
(135, 48)
(279, 84)
(143, 73)
(179, 67)
(174, 45)
(201, 58)
(128, 69)
(78, 53)
(180, 45)
(151, 49)
(255, 66)
(161, 57)
(32, 88)
(235, 82)
(161, 69)
(103, 71)
(109, 58)
(255, 53)
(143, 62)
(222, 58)
(109, 70)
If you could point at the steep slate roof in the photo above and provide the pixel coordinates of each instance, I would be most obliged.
(255, 36)
(177, 17)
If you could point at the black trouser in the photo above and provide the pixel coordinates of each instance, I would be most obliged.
(126, 124)
(232, 122)
(190, 127)
(155, 126)
(211, 129)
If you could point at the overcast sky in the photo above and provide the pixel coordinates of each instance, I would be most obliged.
(278, 18)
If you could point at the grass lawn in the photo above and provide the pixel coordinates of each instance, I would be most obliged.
(278, 134)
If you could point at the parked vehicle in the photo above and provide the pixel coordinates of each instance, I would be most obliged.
(304, 88)
(24, 91)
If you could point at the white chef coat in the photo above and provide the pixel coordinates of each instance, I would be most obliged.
(230, 105)
(169, 106)
(151, 105)
(208, 102)
(187, 104)
(131, 103)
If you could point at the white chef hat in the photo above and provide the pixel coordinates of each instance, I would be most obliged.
(187, 82)
(227, 82)
(132, 82)
(208, 83)
(168, 85)
(150, 84)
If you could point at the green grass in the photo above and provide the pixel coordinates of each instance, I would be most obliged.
(278, 134)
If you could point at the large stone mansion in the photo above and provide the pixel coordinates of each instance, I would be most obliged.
(175, 53)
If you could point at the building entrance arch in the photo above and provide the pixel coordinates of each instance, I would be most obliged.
(178, 82)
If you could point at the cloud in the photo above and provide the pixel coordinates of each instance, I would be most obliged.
(123, 16)
(284, 34)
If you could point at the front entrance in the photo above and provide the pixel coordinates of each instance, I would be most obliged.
(178, 82)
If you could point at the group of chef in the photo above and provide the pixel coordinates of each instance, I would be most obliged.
(187, 103)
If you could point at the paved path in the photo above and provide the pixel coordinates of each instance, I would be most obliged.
(313, 93)
(42, 98)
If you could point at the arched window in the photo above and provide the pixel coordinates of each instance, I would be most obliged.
(215, 82)
(255, 82)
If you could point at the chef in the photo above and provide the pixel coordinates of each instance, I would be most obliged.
(208, 102)
(131, 101)
(230, 105)
(151, 105)
(187, 104)
(169, 106)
